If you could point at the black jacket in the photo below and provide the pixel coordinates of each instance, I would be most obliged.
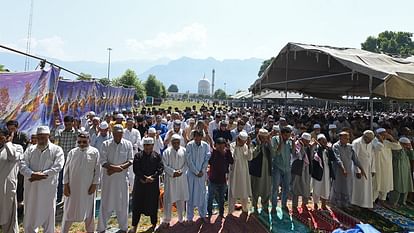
(255, 165)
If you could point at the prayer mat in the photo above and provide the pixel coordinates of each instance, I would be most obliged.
(344, 220)
(282, 221)
(370, 217)
(403, 210)
(315, 221)
(406, 223)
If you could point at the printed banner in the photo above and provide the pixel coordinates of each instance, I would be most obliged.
(38, 98)
(28, 98)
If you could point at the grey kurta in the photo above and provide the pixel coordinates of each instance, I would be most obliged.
(10, 154)
(301, 184)
(342, 185)
(403, 180)
(261, 186)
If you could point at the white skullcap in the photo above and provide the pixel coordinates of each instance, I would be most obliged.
(276, 128)
(175, 137)
(148, 141)
(320, 136)
(191, 120)
(316, 126)
(306, 136)
(96, 118)
(243, 135)
(92, 113)
(332, 126)
(263, 132)
(152, 130)
(369, 133)
(103, 125)
(164, 121)
(118, 128)
(404, 140)
(120, 116)
(43, 130)
(380, 130)
(282, 119)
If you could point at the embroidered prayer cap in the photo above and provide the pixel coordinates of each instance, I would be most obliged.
(148, 141)
(103, 125)
(43, 130)
(306, 136)
(243, 135)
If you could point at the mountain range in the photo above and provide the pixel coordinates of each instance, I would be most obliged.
(185, 72)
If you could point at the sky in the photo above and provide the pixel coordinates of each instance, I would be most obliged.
(82, 30)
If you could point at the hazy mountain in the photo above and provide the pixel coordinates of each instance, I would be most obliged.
(184, 72)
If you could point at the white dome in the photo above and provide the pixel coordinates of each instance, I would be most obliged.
(204, 87)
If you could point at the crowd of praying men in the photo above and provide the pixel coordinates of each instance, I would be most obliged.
(195, 157)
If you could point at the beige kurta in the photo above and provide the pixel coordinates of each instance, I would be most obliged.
(10, 154)
(362, 188)
(40, 196)
(239, 178)
(82, 169)
(175, 188)
(383, 180)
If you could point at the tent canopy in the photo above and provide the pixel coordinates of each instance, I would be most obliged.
(330, 73)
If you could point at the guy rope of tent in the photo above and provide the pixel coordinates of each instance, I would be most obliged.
(42, 60)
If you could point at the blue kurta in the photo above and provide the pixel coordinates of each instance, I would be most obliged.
(197, 157)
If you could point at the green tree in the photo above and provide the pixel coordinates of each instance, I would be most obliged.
(104, 81)
(130, 79)
(3, 68)
(173, 88)
(389, 42)
(153, 87)
(84, 77)
(264, 65)
(220, 94)
(163, 90)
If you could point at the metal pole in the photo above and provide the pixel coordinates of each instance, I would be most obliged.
(286, 77)
(371, 103)
(109, 61)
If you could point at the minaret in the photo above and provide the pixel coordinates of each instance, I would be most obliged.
(212, 82)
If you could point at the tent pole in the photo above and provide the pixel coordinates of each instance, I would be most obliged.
(286, 77)
(371, 103)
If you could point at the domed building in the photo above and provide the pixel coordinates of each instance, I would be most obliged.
(204, 86)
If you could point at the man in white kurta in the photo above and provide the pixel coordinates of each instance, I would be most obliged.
(176, 129)
(361, 186)
(239, 177)
(197, 156)
(175, 181)
(40, 167)
(10, 154)
(134, 136)
(115, 159)
(158, 142)
(383, 181)
(80, 178)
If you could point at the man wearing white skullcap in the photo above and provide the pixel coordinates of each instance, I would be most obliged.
(175, 181)
(316, 131)
(403, 180)
(239, 178)
(158, 142)
(261, 171)
(362, 194)
(332, 136)
(147, 168)
(382, 145)
(116, 157)
(302, 157)
(40, 167)
(103, 135)
(10, 155)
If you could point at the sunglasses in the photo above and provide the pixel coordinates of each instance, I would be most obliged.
(82, 142)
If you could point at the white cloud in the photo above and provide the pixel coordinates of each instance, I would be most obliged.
(186, 42)
(45, 47)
